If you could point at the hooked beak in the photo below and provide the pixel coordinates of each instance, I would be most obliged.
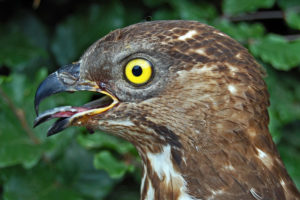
(67, 79)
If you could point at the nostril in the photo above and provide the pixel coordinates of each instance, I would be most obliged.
(102, 86)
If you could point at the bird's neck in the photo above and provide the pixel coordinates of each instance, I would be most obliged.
(161, 176)
(194, 160)
(205, 171)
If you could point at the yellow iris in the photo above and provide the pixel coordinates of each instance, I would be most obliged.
(138, 71)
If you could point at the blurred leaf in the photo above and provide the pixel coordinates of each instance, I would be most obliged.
(32, 28)
(233, 7)
(23, 42)
(285, 100)
(102, 140)
(77, 170)
(16, 50)
(16, 149)
(105, 160)
(164, 14)
(154, 3)
(72, 177)
(79, 31)
(291, 133)
(241, 31)
(291, 159)
(285, 4)
(20, 144)
(128, 191)
(38, 183)
(17, 139)
(292, 16)
(132, 13)
(194, 11)
(188, 10)
(274, 49)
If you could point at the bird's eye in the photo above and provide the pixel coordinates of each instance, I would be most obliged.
(138, 71)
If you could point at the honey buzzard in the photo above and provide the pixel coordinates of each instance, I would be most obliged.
(192, 101)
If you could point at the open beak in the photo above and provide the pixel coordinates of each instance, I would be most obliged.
(67, 79)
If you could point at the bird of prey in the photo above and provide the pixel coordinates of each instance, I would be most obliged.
(193, 102)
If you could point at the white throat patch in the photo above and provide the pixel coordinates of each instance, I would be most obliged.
(162, 165)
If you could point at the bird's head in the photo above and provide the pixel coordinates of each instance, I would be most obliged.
(161, 82)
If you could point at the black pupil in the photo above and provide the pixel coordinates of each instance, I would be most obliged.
(137, 70)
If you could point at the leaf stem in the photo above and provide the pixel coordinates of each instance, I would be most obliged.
(19, 113)
(292, 37)
(261, 15)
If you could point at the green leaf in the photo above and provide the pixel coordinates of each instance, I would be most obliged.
(126, 192)
(71, 176)
(103, 140)
(291, 159)
(154, 3)
(241, 31)
(106, 161)
(23, 42)
(38, 183)
(292, 16)
(284, 100)
(194, 11)
(76, 169)
(32, 28)
(16, 50)
(165, 13)
(15, 150)
(188, 10)
(280, 53)
(136, 13)
(233, 7)
(79, 31)
(291, 133)
(20, 143)
(285, 4)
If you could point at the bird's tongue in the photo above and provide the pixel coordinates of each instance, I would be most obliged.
(59, 112)
(68, 113)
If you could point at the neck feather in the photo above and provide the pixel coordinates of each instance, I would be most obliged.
(162, 178)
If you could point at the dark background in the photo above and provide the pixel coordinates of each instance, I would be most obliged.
(36, 37)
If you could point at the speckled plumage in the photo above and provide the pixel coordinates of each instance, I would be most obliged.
(201, 124)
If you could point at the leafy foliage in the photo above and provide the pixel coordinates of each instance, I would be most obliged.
(71, 33)
(37, 38)
(276, 50)
(233, 7)
(293, 17)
